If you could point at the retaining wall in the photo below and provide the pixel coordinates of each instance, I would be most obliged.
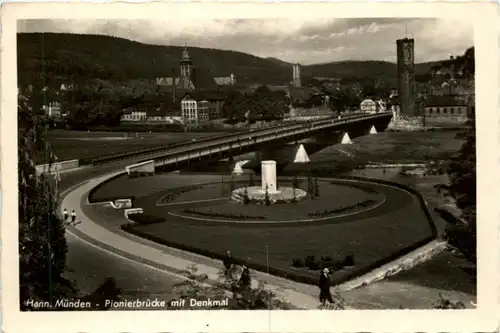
(404, 263)
(59, 166)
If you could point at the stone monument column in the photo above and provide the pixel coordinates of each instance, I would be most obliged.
(269, 176)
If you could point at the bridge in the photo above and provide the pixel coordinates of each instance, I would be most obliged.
(268, 143)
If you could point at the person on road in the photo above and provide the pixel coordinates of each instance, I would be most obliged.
(228, 262)
(324, 287)
(73, 216)
(65, 215)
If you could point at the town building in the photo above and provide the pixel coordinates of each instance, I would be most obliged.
(226, 80)
(368, 106)
(194, 109)
(135, 116)
(198, 107)
(441, 110)
(53, 109)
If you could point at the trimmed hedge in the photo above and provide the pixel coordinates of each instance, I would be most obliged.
(326, 262)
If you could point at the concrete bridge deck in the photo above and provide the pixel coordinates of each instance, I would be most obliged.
(231, 145)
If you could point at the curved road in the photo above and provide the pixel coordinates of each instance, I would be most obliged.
(89, 265)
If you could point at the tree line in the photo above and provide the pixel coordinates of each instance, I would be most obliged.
(263, 104)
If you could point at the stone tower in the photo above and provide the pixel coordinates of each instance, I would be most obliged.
(406, 76)
(296, 75)
(186, 64)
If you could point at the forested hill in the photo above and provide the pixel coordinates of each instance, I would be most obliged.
(118, 59)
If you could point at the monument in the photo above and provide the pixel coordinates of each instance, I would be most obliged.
(268, 171)
(268, 188)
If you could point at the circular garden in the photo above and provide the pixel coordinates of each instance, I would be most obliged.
(347, 225)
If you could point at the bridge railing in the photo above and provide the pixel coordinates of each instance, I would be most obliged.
(248, 140)
(183, 147)
(105, 159)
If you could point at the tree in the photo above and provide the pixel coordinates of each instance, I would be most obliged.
(251, 181)
(462, 188)
(42, 242)
(222, 187)
(461, 234)
(246, 199)
(316, 187)
(310, 186)
(231, 184)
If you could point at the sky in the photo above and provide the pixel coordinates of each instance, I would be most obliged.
(299, 41)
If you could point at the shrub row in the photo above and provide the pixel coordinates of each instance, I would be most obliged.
(361, 204)
(233, 216)
(325, 262)
(171, 196)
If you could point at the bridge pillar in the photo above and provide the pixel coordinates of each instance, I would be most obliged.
(238, 167)
(289, 153)
(346, 139)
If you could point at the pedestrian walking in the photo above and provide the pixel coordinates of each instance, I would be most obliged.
(228, 262)
(324, 287)
(65, 215)
(73, 216)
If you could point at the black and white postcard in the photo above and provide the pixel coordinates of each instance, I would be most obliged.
(229, 167)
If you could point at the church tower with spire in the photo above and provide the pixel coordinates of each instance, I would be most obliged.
(186, 64)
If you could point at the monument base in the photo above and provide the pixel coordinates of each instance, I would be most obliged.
(256, 195)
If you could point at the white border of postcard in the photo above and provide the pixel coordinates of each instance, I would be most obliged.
(482, 319)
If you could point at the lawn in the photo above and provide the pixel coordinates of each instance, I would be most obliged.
(370, 237)
(391, 147)
(68, 145)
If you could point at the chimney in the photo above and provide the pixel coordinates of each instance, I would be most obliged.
(173, 85)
